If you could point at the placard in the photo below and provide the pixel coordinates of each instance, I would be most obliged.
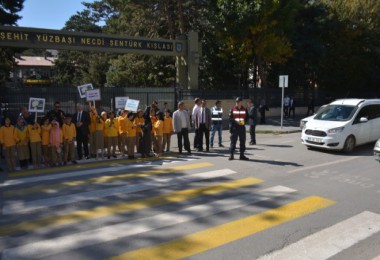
(93, 95)
(132, 105)
(82, 89)
(283, 81)
(120, 102)
(36, 104)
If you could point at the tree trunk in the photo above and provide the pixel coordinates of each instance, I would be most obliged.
(168, 14)
(261, 71)
(181, 18)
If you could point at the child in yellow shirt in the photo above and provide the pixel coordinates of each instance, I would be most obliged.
(122, 131)
(69, 135)
(139, 122)
(8, 142)
(34, 134)
(99, 135)
(21, 134)
(158, 133)
(167, 131)
(92, 128)
(131, 133)
(112, 133)
(55, 143)
(45, 129)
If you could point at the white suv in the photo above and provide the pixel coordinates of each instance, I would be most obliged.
(344, 124)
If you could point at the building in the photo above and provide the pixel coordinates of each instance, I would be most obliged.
(33, 71)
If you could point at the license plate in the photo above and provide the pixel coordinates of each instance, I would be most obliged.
(316, 140)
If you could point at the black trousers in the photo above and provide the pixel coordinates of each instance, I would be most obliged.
(196, 138)
(185, 135)
(238, 132)
(146, 141)
(252, 133)
(82, 143)
(206, 132)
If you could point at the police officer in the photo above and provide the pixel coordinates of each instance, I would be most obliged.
(217, 123)
(238, 117)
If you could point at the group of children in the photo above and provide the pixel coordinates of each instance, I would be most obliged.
(52, 144)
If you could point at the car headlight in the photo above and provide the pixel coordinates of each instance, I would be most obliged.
(377, 145)
(335, 130)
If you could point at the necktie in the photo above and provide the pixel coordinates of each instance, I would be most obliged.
(79, 116)
(203, 115)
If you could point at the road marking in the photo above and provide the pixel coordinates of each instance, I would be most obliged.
(59, 176)
(124, 207)
(82, 166)
(63, 244)
(377, 258)
(220, 235)
(330, 241)
(323, 164)
(50, 188)
(12, 207)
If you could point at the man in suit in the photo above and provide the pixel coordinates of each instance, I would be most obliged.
(81, 119)
(181, 126)
(203, 124)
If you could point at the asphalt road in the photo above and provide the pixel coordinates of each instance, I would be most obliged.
(287, 202)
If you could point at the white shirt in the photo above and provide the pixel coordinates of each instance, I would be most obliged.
(182, 115)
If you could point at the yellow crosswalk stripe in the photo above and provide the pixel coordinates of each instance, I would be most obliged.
(99, 212)
(83, 166)
(102, 179)
(217, 236)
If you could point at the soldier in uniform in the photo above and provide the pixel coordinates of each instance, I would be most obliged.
(238, 117)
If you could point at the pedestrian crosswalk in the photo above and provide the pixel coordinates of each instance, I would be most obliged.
(121, 211)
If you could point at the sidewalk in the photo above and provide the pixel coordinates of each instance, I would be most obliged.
(273, 126)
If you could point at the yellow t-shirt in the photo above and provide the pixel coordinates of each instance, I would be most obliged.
(158, 127)
(139, 121)
(153, 120)
(122, 124)
(131, 128)
(112, 129)
(7, 136)
(168, 125)
(93, 119)
(34, 133)
(21, 136)
(69, 132)
(45, 134)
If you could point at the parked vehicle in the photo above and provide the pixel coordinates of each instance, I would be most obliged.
(376, 150)
(343, 125)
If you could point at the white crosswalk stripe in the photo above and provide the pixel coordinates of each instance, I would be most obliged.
(330, 241)
(155, 182)
(115, 168)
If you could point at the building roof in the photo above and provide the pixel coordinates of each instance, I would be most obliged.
(35, 61)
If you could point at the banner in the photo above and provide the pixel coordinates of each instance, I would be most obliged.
(132, 105)
(36, 104)
(93, 95)
(120, 102)
(83, 89)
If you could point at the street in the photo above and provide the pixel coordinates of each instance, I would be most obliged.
(286, 202)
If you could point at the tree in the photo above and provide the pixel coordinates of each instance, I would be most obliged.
(255, 33)
(8, 16)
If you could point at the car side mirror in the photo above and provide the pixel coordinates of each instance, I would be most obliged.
(363, 120)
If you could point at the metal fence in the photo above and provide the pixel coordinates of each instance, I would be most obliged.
(12, 99)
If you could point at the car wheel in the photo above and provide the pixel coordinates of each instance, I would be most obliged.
(349, 144)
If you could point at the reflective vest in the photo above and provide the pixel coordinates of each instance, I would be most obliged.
(239, 115)
(216, 114)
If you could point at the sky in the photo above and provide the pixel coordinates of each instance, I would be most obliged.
(49, 14)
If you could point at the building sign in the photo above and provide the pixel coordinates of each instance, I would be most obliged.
(43, 38)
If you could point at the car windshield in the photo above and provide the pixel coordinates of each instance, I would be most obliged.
(336, 113)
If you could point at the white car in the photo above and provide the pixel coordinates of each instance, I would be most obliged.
(376, 150)
(306, 119)
(344, 124)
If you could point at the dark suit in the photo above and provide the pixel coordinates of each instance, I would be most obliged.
(203, 127)
(82, 133)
